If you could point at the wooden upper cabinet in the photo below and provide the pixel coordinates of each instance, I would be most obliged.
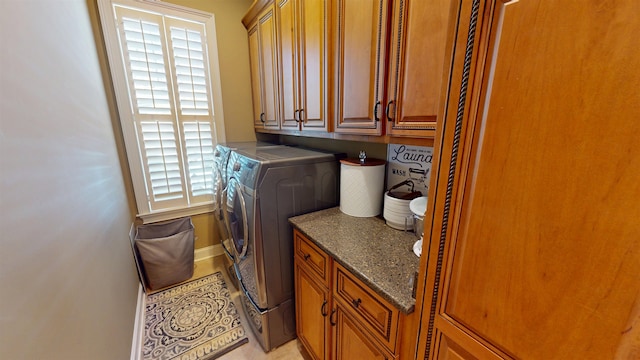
(534, 243)
(264, 71)
(408, 38)
(359, 45)
(416, 66)
(302, 32)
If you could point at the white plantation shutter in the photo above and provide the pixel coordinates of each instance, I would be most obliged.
(146, 63)
(162, 160)
(191, 76)
(199, 147)
(166, 64)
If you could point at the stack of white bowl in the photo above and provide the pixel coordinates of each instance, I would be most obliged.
(397, 213)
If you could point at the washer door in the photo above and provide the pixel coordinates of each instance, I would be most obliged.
(235, 214)
(219, 196)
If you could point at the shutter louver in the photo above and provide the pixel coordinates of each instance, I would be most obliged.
(167, 72)
(163, 160)
(146, 63)
(190, 71)
(199, 147)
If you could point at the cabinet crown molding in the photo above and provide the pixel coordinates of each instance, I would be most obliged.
(256, 7)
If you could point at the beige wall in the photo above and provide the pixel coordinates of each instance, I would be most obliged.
(68, 284)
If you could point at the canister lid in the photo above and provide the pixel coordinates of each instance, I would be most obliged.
(367, 162)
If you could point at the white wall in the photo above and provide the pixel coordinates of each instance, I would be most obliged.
(68, 284)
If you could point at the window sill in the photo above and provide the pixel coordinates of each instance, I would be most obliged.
(171, 214)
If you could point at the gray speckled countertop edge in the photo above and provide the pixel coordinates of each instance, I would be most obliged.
(376, 254)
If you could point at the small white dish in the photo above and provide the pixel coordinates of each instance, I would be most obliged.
(418, 205)
(417, 248)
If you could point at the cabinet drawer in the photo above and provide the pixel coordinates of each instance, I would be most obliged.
(377, 314)
(312, 257)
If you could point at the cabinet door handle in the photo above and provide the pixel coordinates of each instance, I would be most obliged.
(333, 323)
(375, 111)
(389, 110)
(300, 115)
(295, 116)
(306, 256)
(262, 118)
(356, 303)
(322, 308)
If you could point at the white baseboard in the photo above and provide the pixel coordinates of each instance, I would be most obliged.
(138, 326)
(208, 252)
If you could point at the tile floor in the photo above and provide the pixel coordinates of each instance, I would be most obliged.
(252, 350)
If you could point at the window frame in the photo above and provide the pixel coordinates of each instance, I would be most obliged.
(126, 111)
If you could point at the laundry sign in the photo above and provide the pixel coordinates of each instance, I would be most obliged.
(407, 162)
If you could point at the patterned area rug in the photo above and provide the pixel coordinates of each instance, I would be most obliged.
(196, 320)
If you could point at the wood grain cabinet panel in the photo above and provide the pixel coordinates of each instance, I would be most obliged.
(312, 310)
(380, 316)
(303, 53)
(534, 242)
(408, 38)
(316, 260)
(352, 340)
(416, 66)
(264, 70)
(359, 45)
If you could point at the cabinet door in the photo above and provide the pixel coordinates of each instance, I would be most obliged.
(352, 341)
(269, 70)
(302, 27)
(312, 308)
(289, 98)
(256, 74)
(360, 59)
(313, 57)
(535, 240)
(416, 63)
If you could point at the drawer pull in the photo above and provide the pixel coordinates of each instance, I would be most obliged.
(322, 309)
(356, 303)
(333, 323)
(306, 256)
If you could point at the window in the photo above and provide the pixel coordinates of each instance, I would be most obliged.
(164, 67)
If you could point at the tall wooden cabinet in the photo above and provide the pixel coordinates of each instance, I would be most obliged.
(533, 246)
(302, 27)
(264, 71)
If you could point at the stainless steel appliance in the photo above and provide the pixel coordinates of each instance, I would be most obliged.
(220, 178)
(266, 187)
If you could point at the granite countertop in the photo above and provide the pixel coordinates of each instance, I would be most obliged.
(380, 256)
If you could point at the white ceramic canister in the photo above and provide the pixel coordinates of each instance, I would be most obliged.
(361, 187)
